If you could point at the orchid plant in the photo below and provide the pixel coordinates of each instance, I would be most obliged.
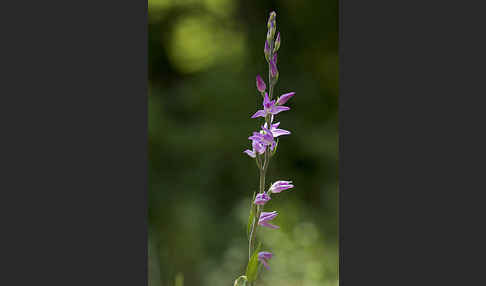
(264, 145)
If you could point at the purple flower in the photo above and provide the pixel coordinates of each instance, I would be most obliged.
(265, 138)
(260, 140)
(264, 256)
(284, 97)
(269, 107)
(277, 132)
(279, 186)
(257, 144)
(260, 84)
(267, 134)
(265, 217)
(261, 199)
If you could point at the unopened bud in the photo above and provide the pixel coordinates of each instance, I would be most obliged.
(273, 69)
(267, 51)
(271, 19)
(277, 43)
(271, 33)
(272, 26)
(260, 84)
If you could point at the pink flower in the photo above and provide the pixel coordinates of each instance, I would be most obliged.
(283, 98)
(276, 131)
(279, 186)
(264, 256)
(261, 199)
(265, 217)
(260, 84)
(269, 107)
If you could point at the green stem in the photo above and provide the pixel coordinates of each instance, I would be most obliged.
(263, 168)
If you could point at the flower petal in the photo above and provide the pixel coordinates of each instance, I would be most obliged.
(261, 199)
(250, 153)
(258, 147)
(265, 263)
(259, 113)
(266, 99)
(277, 109)
(269, 225)
(279, 132)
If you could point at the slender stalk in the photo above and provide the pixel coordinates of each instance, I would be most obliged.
(263, 166)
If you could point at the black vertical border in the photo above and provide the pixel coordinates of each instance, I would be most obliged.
(411, 118)
(74, 143)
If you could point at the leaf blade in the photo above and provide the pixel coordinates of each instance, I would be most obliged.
(252, 267)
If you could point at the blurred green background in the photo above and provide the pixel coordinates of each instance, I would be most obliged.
(203, 59)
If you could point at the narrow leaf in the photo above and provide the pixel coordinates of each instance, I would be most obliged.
(252, 268)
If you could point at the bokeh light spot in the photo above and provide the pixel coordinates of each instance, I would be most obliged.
(197, 43)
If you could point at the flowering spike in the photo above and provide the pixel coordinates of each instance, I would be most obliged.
(260, 84)
(264, 142)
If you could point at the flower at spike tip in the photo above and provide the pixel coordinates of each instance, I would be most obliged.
(261, 199)
(269, 107)
(263, 257)
(260, 84)
(272, 26)
(279, 186)
(265, 217)
(271, 19)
